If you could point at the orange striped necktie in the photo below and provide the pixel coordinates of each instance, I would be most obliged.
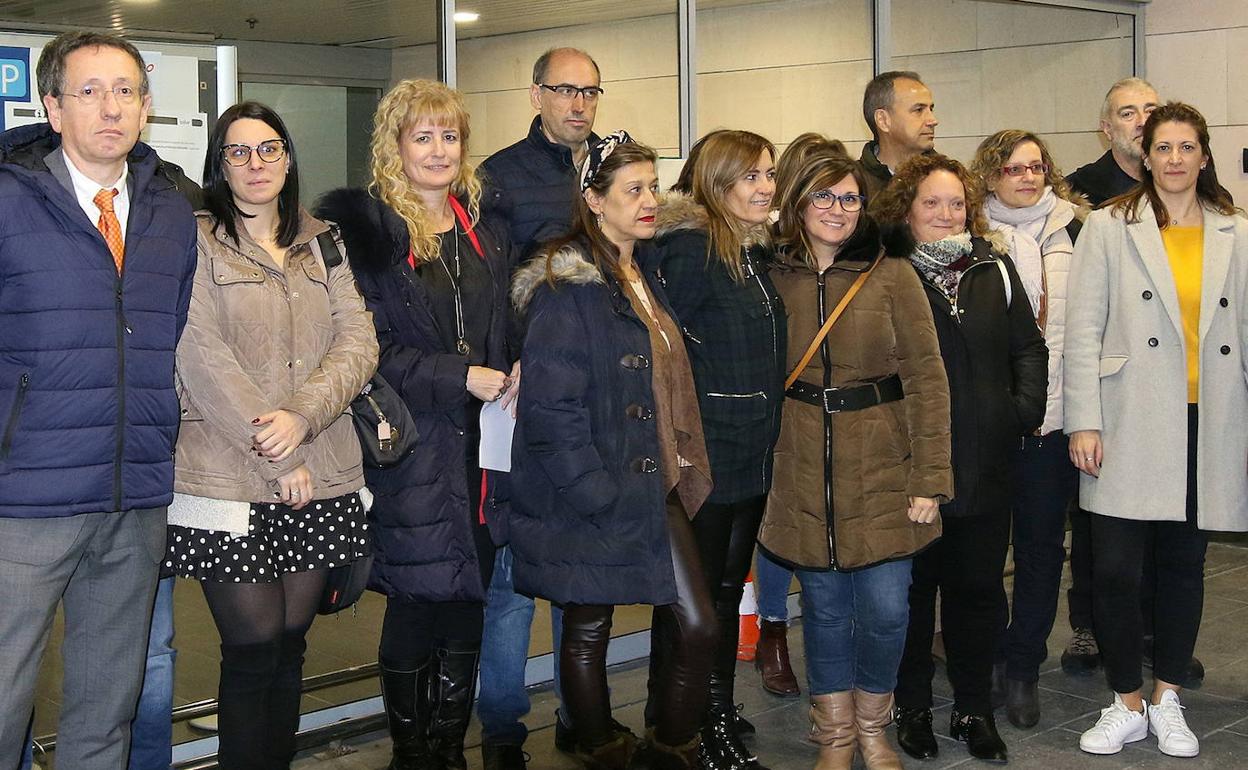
(109, 226)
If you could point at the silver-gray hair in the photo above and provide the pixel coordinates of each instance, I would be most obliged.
(1125, 83)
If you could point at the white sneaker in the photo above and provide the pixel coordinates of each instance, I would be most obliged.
(1117, 725)
(1165, 720)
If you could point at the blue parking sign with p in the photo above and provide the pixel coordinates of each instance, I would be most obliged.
(14, 73)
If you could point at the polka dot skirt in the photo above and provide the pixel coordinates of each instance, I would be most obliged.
(325, 533)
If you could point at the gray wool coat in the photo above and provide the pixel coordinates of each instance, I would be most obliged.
(1126, 371)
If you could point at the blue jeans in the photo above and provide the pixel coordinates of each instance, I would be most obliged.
(854, 625)
(503, 701)
(151, 732)
(771, 588)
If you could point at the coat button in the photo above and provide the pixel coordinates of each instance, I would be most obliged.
(185, 412)
(634, 361)
(1152, 342)
(1147, 294)
(645, 465)
(1223, 302)
(1225, 350)
(639, 412)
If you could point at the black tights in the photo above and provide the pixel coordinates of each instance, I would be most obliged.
(680, 693)
(263, 628)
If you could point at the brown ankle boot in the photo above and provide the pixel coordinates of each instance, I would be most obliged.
(872, 713)
(832, 728)
(772, 659)
(615, 755)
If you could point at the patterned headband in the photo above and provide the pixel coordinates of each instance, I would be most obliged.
(600, 151)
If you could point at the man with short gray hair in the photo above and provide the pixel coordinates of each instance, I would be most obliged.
(97, 256)
(1127, 106)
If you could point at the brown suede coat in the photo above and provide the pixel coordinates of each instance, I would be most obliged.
(880, 456)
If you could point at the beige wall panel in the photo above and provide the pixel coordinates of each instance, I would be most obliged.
(1228, 143)
(933, 26)
(745, 100)
(956, 83)
(781, 34)
(1070, 151)
(1165, 16)
(1051, 87)
(826, 98)
(637, 48)
(418, 61)
(1006, 24)
(1192, 67)
(1237, 63)
(960, 147)
(499, 118)
(647, 109)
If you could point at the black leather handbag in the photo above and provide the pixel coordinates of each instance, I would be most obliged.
(386, 429)
(345, 585)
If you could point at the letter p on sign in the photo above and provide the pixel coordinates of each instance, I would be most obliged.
(13, 79)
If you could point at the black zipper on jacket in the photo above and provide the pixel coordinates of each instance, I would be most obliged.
(826, 358)
(10, 429)
(775, 352)
(120, 451)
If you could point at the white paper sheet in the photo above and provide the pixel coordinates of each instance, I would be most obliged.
(497, 425)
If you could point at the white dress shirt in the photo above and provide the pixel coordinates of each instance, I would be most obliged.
(85, 191)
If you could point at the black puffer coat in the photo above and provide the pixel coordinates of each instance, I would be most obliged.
(997, 365)
(420, 518)
(736, 335)
(530, 188)
(588, 520)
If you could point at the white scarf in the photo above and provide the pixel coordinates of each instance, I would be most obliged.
(1024, 226)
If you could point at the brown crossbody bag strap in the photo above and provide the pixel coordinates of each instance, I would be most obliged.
(827, 325)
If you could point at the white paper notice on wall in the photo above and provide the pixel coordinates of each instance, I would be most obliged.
(180, 139)
(497, 425)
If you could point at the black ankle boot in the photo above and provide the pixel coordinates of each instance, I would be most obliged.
(914, 732)
(406, 695)
(452, 684)
(722, 747)
(979, 733)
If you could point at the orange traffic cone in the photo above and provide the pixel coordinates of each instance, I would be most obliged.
(747, 639)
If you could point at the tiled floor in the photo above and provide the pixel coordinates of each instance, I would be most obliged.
(1218, 712)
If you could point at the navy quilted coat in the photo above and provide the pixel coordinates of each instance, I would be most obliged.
(588, 524)
(422, 536)
(88, 411)
(531, 186)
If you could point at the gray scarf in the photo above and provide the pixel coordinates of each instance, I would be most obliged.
(933, 261)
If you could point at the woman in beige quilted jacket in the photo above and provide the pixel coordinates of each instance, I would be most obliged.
(268, 467)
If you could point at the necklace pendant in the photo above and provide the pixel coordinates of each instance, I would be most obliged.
(462, 347)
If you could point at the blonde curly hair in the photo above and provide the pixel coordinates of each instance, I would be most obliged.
(995, 151)
(407, 103)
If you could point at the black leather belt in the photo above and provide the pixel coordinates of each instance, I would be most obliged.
(851, 399)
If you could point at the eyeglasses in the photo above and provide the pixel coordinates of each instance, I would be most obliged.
(824, 200)
(1018, 169)
(567, 92)
(93, 95)
(270, 151)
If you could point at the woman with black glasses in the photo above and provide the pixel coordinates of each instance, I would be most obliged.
(268, 467)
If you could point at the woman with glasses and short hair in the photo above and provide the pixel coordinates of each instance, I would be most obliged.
(862, 463)
(268, 468)
(995, 360)
(1029, 202)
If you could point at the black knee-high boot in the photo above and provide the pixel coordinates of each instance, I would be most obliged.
(247, 673)
(406, 695)
(284, 697)
(452, 684)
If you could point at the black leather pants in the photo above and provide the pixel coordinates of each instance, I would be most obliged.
(680, 693)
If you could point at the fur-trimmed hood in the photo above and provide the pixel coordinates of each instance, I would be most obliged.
(375, 236)
(680, 212)
(567, 265)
